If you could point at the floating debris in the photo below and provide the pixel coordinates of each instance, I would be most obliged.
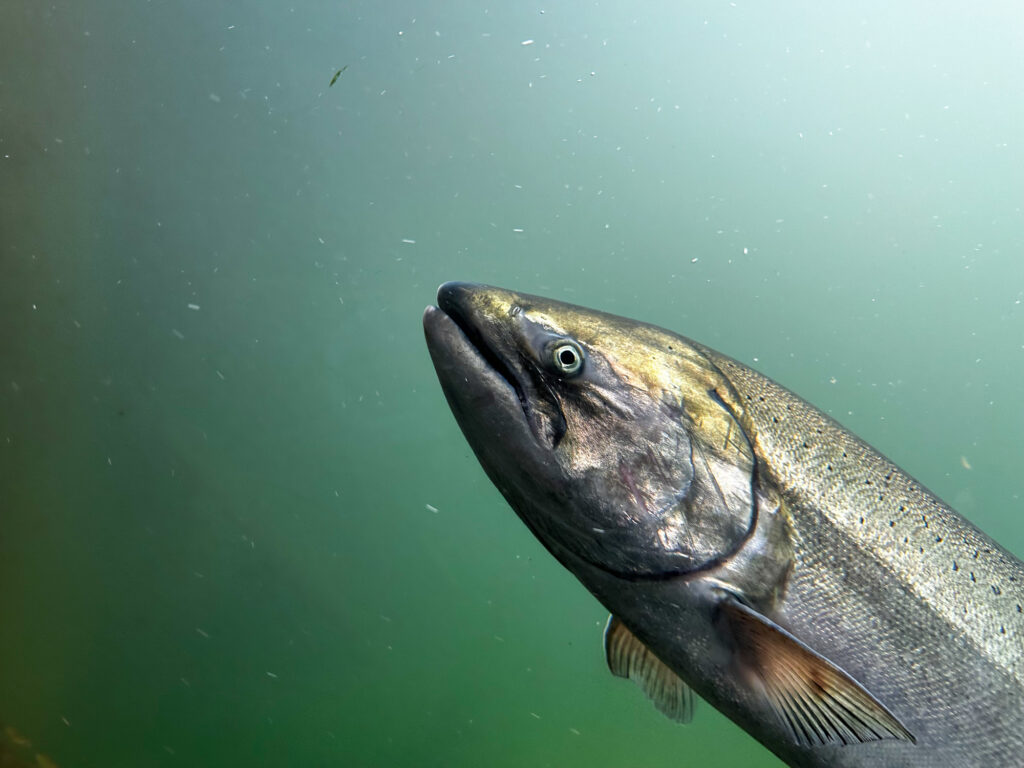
(432, 508)
(337, 75)
(16, 738)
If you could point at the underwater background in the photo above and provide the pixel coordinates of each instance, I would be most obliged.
(239, 525)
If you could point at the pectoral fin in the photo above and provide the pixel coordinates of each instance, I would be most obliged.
(818, 702)
(628, 657)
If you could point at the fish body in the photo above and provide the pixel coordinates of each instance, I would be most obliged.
(749, 548)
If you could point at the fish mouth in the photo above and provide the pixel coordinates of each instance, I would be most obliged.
(477, 382)
(448, 302)
(475, 351)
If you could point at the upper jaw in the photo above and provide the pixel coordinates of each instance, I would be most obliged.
(455, 300)
(485, 334)
(485, 403)
(459, 363)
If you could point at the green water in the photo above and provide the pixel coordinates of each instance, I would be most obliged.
(221, 439)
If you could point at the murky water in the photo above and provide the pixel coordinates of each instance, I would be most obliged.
(238, 525)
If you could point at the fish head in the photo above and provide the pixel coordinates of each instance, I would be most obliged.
(616, 442)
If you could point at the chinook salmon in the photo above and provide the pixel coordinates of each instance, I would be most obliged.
(750, 550)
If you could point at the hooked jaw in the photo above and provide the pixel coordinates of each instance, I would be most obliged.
(451, 323)
(476, 335)
(483, 391)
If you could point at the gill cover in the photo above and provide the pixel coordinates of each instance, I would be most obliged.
(672, 483)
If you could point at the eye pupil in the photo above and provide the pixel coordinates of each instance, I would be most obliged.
(568, 358)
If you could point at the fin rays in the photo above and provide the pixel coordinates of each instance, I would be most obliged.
(818, 702)
(628, 657)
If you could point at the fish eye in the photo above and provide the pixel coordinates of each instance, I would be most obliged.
(568, 358)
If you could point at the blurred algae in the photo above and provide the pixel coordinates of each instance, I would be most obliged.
(16, 751)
